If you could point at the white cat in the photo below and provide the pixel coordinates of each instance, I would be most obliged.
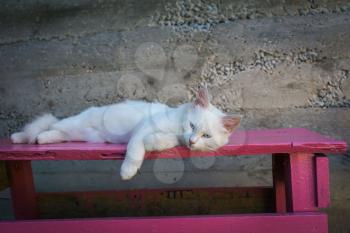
(145, 126)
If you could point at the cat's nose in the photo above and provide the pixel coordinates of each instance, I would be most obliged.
(191, 141)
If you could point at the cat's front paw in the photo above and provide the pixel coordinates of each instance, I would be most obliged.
(128, 170)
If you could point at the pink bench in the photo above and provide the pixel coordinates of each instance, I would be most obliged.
(300, 186)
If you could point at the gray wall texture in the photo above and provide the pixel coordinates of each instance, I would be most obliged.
(278, 63)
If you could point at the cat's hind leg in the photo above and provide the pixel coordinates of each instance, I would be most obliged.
(33, 129)
(51, 136)
(19, 137)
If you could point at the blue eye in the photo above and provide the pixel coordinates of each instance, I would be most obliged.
(192, 126)
(206, 135)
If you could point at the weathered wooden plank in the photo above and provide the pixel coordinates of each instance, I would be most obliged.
(241, 143)
(22, 189)
(258, 223)
(156, 202)
(4, 183)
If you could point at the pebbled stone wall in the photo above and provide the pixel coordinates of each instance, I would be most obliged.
(278, 64)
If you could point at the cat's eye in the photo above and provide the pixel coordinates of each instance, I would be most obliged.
(206, 136)
(192, 126)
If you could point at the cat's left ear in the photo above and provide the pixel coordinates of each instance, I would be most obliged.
(231, 122)
(202, 98)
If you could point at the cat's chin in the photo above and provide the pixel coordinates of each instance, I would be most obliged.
(196, 149)
(191, 147)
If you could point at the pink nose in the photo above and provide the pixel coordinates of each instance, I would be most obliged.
(191, 141)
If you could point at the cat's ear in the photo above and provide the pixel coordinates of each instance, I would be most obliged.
(202, 98)
(231, 122)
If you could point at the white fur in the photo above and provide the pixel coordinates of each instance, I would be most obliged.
(51, 136)
(33, 129)
(19, 137)
(145, 126)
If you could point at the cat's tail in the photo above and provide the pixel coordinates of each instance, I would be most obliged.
(34, 128)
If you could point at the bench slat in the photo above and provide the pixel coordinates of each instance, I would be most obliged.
(153, 202)
(258, 223)
(252, 142)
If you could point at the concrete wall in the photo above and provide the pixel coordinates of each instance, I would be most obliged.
(279, 65)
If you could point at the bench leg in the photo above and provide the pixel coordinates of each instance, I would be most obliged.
(300, 182)
(279, 164)
(3, 176)
(22, 189)
(322, 173)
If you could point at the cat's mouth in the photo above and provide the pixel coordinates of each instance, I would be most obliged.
(191, 147)
(195, 148)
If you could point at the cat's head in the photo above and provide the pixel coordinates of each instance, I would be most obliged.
(205, 127)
